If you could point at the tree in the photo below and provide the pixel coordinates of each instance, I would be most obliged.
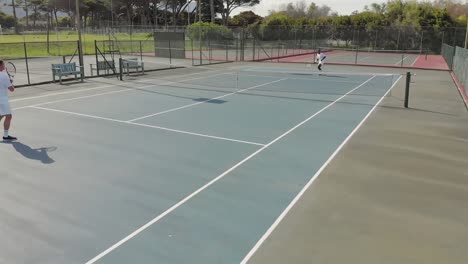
(13, 5)
(230, 5)
(315, 11)
(245, 18)
(25, 4)
(276, 26)
(6, 20)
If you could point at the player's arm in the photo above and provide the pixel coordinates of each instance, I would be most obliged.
(11, 87)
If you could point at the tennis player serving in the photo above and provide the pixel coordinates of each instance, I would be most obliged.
(320, 58)
(5, 109)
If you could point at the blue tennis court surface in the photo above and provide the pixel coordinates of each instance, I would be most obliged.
(171, 167)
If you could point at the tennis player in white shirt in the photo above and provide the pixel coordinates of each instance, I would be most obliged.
(5, 109)
(320, 58)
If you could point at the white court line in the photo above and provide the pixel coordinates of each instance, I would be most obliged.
(113, 92)
(62, 93)
(402, 60)
(415, 60)
(305, 79)
(311, 181)
(205, 101)
(144, 80)
(149, 126)
(100, 87)
(76, 98)
(187, 198)
(366, 74)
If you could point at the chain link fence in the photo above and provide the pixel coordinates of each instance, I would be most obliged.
(460, 67)
(33, 60)
(457, 59)
(208, 44)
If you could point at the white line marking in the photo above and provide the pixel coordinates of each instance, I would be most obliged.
(113, 92)
(62, 93)
(402, 60)
(149, 126)
(305, 79)
(415, 60)
(205, 101)
(365, 74)
(107, 86)
(187, 198)
(311, 181)
(77, 98)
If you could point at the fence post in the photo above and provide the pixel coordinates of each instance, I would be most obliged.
(253, 58)
(466, 35)
(80, 55)
(421, 46)
(200, 45)
(170, 54)
(227, 50)
(27, 64)
(209, 50)
(121, 69)
(193, 59)
(141, 52)
(237, 50)
(443, 37)
(96, 53)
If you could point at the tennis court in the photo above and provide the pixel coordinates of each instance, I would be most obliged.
(181, 166)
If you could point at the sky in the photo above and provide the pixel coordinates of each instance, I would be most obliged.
(343, 7)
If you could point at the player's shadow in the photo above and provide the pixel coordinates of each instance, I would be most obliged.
(39, 154)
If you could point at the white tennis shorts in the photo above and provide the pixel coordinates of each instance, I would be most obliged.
(5, 108)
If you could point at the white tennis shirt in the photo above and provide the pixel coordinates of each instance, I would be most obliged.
(4, 84)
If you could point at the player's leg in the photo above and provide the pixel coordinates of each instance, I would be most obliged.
(5, 110)
(6, 127)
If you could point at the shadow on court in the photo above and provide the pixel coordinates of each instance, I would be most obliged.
(39, 154)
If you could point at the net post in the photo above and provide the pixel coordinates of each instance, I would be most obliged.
(407, 89)
(402, 59)
(120, 69)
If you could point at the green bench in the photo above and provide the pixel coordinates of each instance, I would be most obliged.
(132, 64)
(106, 66)
(66, 69)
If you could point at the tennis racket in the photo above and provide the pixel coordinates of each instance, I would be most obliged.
(11, 70)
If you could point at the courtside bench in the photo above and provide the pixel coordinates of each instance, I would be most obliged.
(102, 66)
(66, 69)
(132, 64)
